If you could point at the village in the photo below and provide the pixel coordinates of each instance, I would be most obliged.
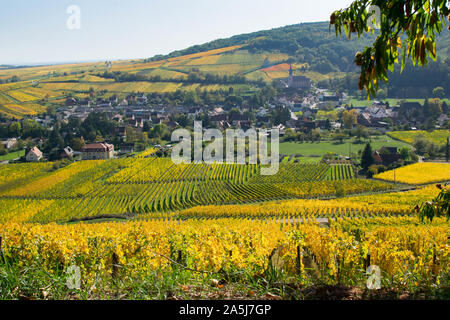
(299, 110)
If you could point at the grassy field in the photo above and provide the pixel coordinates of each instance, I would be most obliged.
(13, 155)
(392, 102)
(289, 159)
(321, 148)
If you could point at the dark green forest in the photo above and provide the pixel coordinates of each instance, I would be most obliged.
(317, 45)
(313, 43)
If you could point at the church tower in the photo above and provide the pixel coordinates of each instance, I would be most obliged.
(291, 77)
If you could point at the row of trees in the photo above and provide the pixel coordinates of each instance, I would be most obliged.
(231, 97)
(193, 76)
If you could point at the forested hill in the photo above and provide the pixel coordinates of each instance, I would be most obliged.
(313, 44)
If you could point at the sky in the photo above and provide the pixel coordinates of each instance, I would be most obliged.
(37, 31)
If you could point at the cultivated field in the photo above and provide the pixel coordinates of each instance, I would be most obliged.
(162, 230)
(438, 137)
(153, 186)
(40, 86)
(418, 173)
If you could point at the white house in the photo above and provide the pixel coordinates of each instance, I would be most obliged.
(34, 155)
(10, 143)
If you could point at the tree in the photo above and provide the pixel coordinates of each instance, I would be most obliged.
(77, 144)
(340, 136)
(416, 21)
(447, 150)
(51, 110)
(439, 92)
(420, 143)
(55, 139)
(31, 128)
(362, 132)
(367, 157)
(131, 134)
(3, 150)
(382, 94)
(159, 131)
(14, 129)
(404, 153)
(316, 135)
(54, 154)
(234, 112)
(349, 118)
(147, 126)
(435, 107)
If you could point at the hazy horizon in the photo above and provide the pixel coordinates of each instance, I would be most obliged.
(43, 63)
(37, 32)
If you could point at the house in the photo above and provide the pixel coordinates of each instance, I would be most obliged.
(118, 118)
(142, 99)
(364, 119)
(121, 131)
(217, 110)
(305, 125)
(98, 150)
(171, 124)
(443, 118)
(131, 99)
(236, 119)
(103, 104)
(67, 152)
(86, 103)
(10, 143)
(113, 99)
(262, 120)
(218, 119)
(34, 155)
(386, 156)
(127, 148)
(281, 128)
(194, 112)
(124, 103)
(70, 102)
(136, 122)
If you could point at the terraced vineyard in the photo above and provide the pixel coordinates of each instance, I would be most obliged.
(218, 217)
(340, 172)
(230, 245)
(151, 186)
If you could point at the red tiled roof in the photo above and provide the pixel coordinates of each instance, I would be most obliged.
(36, 151)
(98, 147)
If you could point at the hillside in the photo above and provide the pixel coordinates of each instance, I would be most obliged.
(243, 62)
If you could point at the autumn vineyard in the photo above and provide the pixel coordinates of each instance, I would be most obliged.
(315, 223)
(350, 101)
